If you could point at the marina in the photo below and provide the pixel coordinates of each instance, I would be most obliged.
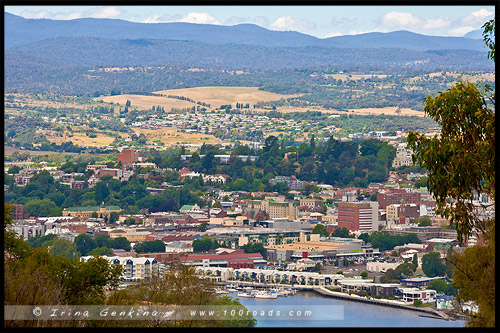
(272, 291)
(354, 314)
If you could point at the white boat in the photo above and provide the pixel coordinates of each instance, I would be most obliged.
(245, 294)
(282, 292)
(266, 295)
(230, 288)
(220, 291)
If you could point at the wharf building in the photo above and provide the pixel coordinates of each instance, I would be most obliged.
(236, 238)
(228, 274)
(313, 248)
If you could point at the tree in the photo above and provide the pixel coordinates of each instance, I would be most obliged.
(417, 303)
(474, 277)
(255, 248)
(103, 250)
(203, 227)
(204, 244)
(150, 246)
(415, 261)
(84, 244)
(121, 243)
(63, 248)
(364, 274)
(424, 221)
(341, 232)
(441, 286)
(461, 162)
(365, 237)
(321, 230)
(432, 265)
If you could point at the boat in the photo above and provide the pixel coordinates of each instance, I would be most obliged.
(266, 295)
(245, 294)
(221, 291)
(230, 288)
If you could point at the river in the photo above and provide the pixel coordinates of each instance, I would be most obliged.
(326, 311)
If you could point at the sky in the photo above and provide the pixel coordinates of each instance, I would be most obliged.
(318, 21)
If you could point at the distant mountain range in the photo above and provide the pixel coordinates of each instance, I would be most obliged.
(20, 31)
(42, 54)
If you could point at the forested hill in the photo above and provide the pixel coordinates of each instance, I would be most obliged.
(20, 31)
(92, 51)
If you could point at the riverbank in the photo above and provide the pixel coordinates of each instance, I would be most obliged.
(331, 312)
(431, 312)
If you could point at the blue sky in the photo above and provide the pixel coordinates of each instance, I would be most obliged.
(319, 21)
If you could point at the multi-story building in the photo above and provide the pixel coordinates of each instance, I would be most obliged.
(403, 157)
(236, 238)
(358, 216)
(395, 196)
(276, 209)
(84, 213)
(402, 213)
(127, 156)
(309, 202)
(134, 269)
(292, 182)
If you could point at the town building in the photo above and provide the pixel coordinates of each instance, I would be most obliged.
(356, 216)
(84, 213)
(395, 196)
(134, 268)
(127, 157)
(310, 246)
(276, 209)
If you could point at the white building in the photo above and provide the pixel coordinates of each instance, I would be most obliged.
(412, 294)
(376, 266)
(134, 269)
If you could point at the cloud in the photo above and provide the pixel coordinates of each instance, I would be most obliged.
(200, 18)
(261, 20)
(477, 17)
(460, 31)
(286, 23)
(100, 12)
(165, 18)
(43, 14)
(401, 20)
(104, 12)
(193, 17)
(352, 32)
(437, 23)
(233, 20)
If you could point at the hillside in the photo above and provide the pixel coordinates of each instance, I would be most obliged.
(20, 31)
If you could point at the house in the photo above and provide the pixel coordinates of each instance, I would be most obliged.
(410, 295)
(445, 302)
(189, 208)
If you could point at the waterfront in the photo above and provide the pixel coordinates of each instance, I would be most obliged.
(355, 314)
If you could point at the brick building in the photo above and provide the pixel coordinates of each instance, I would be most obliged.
(128, 156)
(396, 196)
(358, 215)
